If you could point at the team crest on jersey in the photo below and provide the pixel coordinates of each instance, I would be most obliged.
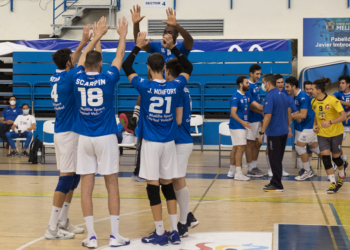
(327, 106)
(245, 110)
(248, 99)
(322, 115)
(241, 100)
(296, 102)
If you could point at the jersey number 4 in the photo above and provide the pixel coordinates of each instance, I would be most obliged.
(54, 94)
(94, 97)
(159, 102)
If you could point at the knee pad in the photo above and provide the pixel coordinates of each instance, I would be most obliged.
(76, 180)
(327, 162)
(168, 192)
(153, 195)
(338, 161)
(300, 150)
(316, 150)
(65, 184)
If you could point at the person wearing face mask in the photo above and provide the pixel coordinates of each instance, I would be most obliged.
(8, 117)
(276, 127)
(22, 128)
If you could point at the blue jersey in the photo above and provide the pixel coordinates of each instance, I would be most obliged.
(254, 94)
(184, 130)
(156, 47)
(303, 101)
(241, 102)
(340, 95)
(11, 113)
(94, 94)
(276, 103)
(290, 101)
(62, 95)
(159, 100)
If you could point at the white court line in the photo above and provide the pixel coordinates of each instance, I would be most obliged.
(234, 199)
(275, 236)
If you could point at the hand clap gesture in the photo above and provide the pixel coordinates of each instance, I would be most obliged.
(141, 40)
(168, 41)
(171, 17)
(136, 14)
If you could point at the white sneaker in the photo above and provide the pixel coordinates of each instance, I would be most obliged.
(70, 227)
(269, 172)
(241, 177)
(304, 176)
(284, 173)
(231, 173)
(58, 234)
(90, 243)
(118, 241)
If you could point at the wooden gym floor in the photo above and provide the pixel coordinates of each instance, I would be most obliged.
(233, 215)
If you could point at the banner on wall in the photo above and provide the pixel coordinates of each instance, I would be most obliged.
(326, 37)
(198, 46)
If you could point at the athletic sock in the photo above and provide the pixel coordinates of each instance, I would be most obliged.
(238, 170)
(173, 222)
(54, 217)
(89, 222)
(64, 212)
(306, 166)
(299, 163)
(310, 160)
(268, 161)
(331, 178)
(136, 112)
(159, 227)
(115, 225)
(183, 199)
(342, 173)
(255, 164)
(232, 168)
(250, 166)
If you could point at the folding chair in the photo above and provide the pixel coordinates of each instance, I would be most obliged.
(197, 120)
(224, 130)
(48, 128)
(17, 140)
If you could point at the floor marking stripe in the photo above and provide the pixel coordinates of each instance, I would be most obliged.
(275, 236)
(341, 228)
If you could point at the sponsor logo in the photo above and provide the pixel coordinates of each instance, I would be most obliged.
(327, 106)
(109, 72)
(296, 102)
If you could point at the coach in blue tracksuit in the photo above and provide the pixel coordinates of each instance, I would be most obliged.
(275, 125)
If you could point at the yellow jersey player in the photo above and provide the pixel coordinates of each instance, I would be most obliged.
(329, 115)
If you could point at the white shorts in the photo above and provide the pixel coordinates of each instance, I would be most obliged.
(253, 132)
(183, 152)
(66, 146)
(265, 138)
(238, 137)
(346, 130)
(306, 136)
(98, 155)
(158, 160)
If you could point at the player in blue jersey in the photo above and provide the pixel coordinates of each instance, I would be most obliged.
(304, 134)
(96, 125)
(241, 103)
(253, 145)
(172, 28)
(158, 127)
(66, 141)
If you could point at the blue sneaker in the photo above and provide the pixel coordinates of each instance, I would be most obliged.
(174, 238)
(156, 239)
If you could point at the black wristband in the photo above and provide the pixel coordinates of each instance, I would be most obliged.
(136, 50)
(176, 51)
(186, 64)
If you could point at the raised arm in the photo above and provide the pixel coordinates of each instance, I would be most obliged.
(85, 39)
(122, 30)
(188, 40)
(186, 64)
(136, 19)
(101, 30)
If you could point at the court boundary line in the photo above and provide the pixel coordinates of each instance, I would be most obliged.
(341, 229)
(275, 236)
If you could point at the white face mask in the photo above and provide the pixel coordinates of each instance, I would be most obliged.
(263, 87)
(12, 103)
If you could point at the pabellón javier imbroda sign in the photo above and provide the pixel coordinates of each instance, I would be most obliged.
(326, 37)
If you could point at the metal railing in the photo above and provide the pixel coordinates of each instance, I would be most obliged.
(65, 8)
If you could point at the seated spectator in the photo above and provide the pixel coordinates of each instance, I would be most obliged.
(8, 117)
(22, 128)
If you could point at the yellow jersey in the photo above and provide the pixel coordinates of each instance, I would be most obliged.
(326, 110)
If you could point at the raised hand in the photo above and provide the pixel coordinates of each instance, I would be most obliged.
(168, 41)
(136, 14)
(171, 17)
(141, 40)
(102, 27)
(86, 33)
(122, 28)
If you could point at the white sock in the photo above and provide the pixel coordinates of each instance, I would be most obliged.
(268, 161)
(183, 199)
(310, 160)
(136, 112)
(342, 172)
(255, 164)
(173, 222)
(232, 168)
(64, 212)
(54, 217)
(299, 163)
(115, 225)
(159, 227)
(331, 178)
(250, 166)
(238, 170)
(306, 166)
(89, 222)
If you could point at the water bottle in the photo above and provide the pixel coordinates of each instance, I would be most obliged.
(345, 157)
(38, 154)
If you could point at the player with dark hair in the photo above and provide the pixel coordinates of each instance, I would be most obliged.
(343, 95)
(159, 100)
(253, 145)
(308, 88)
(304, 134)
(329, 115)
